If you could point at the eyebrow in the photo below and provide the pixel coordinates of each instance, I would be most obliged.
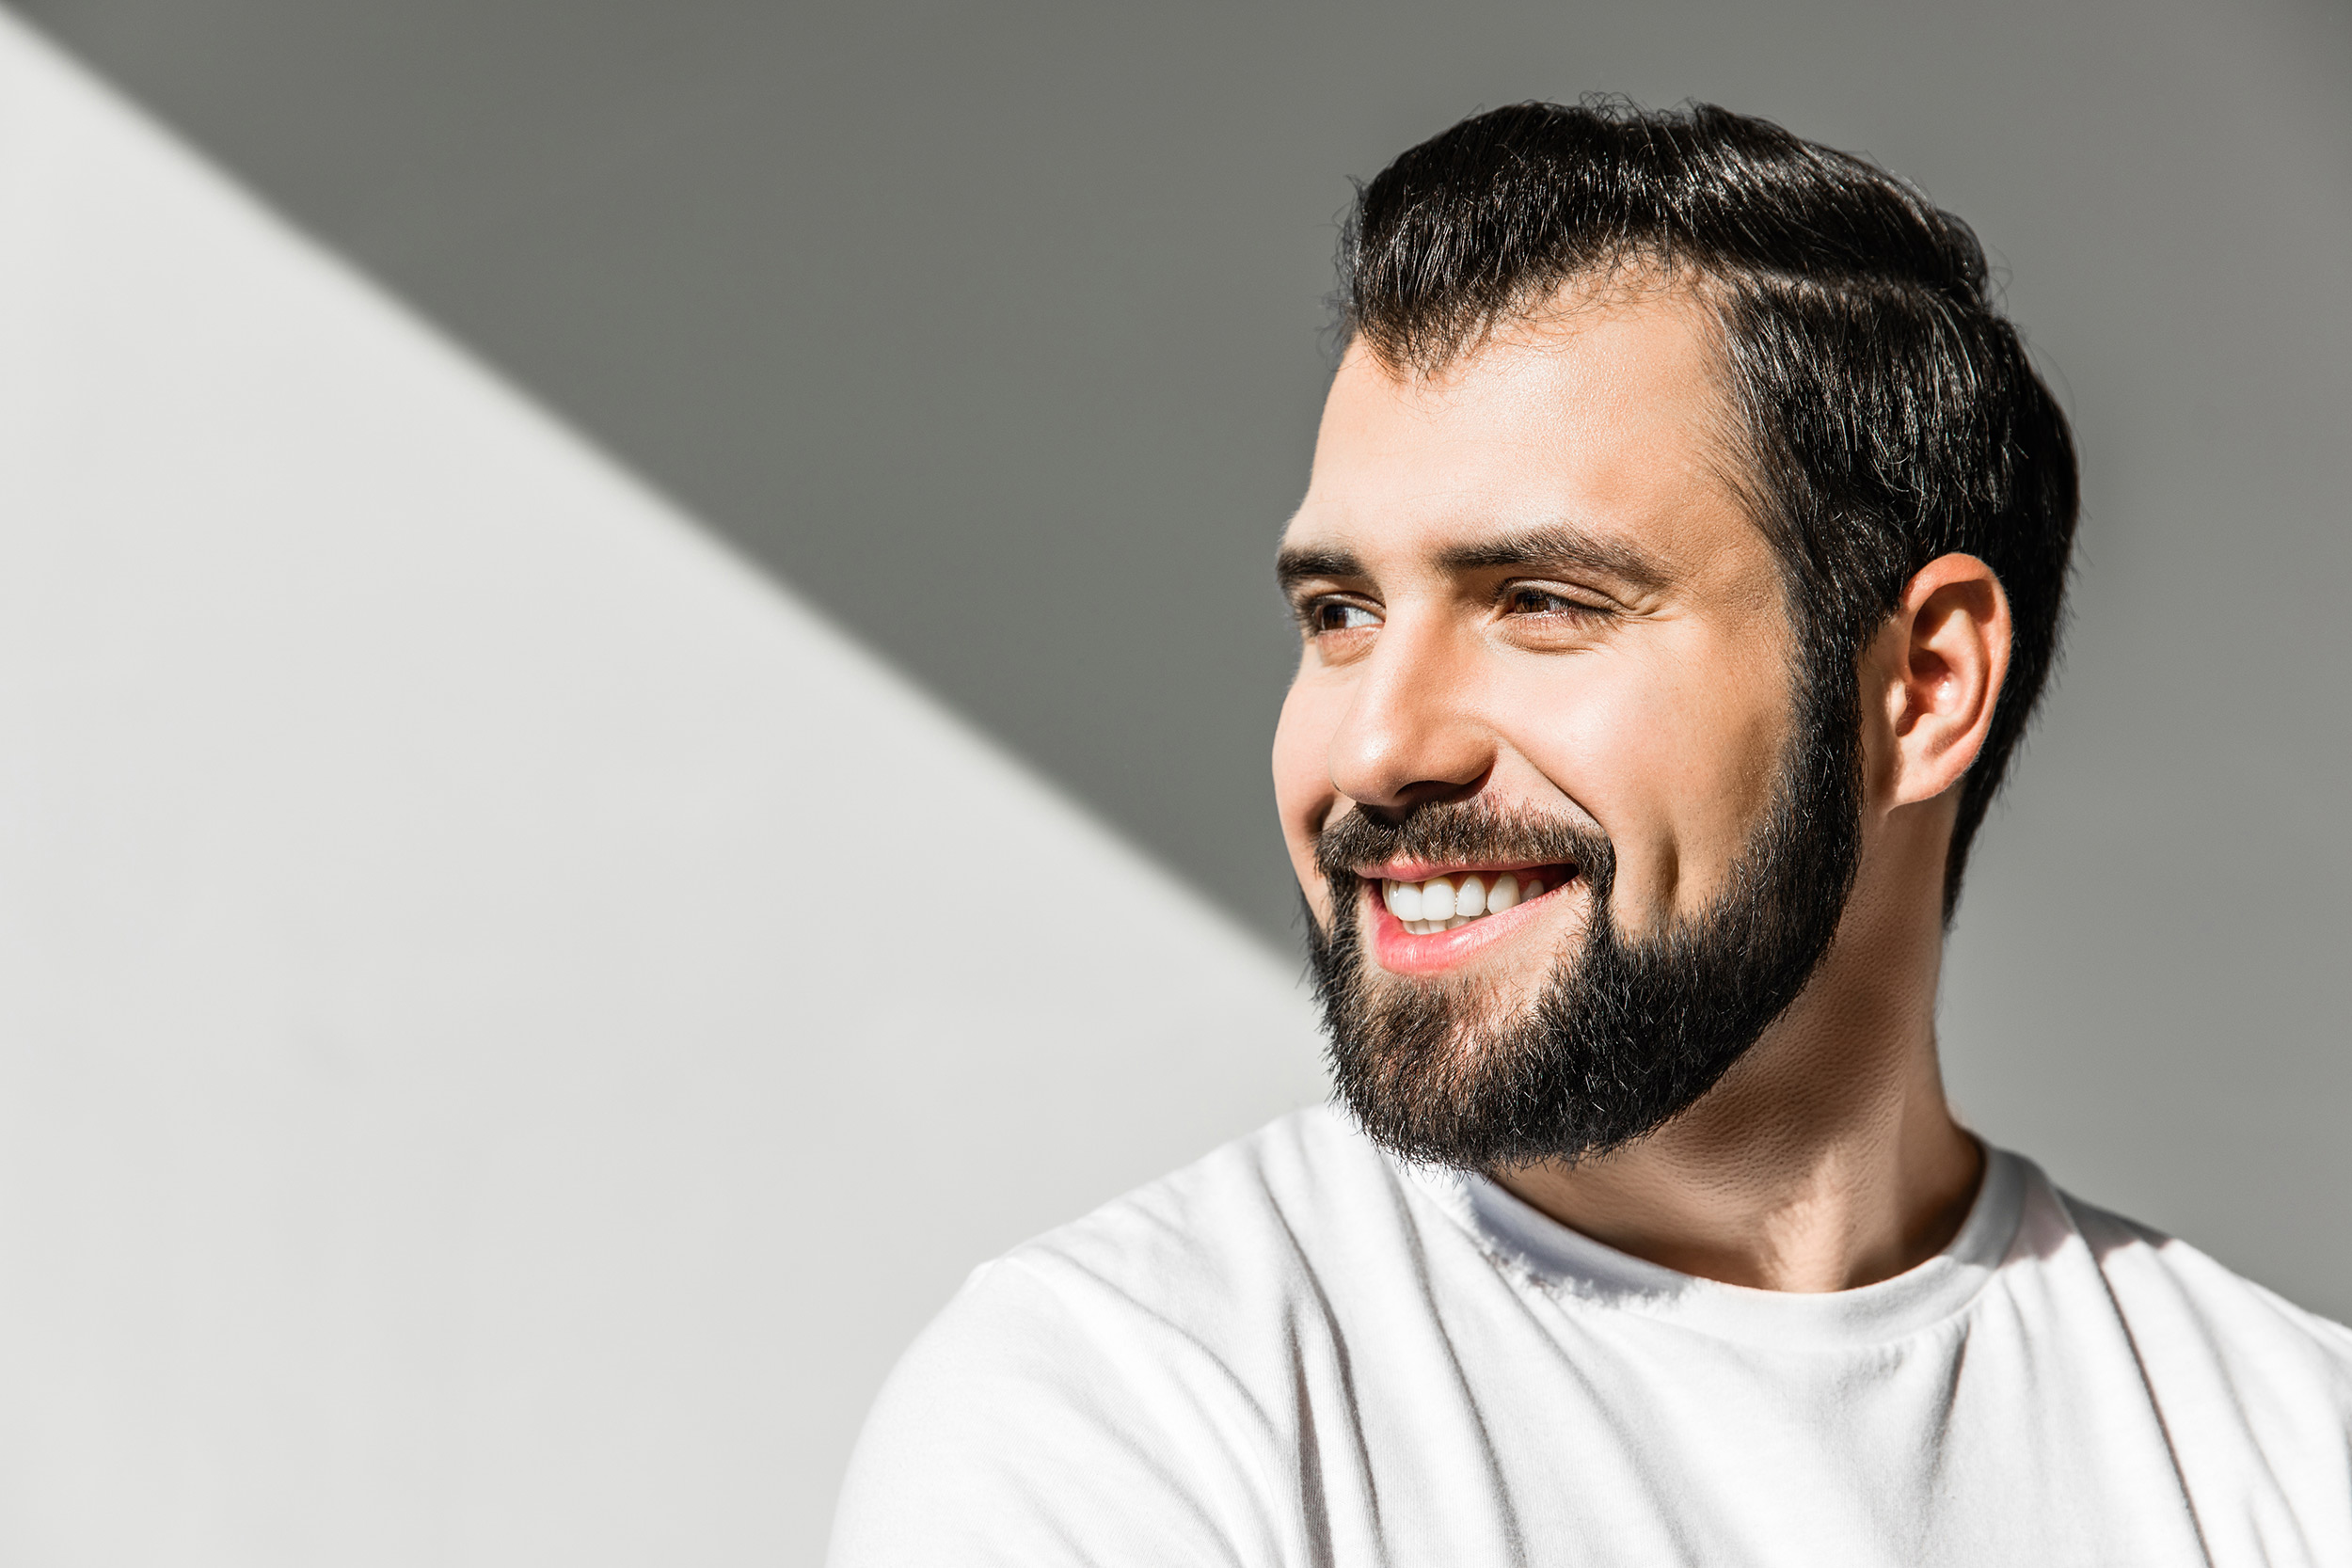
(1557, 545)
(1298, 564)
(1561, 544)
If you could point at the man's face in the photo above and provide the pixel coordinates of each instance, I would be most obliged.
(1546, 650)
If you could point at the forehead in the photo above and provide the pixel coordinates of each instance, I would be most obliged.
(1605, 416)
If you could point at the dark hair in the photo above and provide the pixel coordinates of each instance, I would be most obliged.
(1891, 413)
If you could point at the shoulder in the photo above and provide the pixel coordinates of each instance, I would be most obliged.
(1236, 1230)
(1185, 1276)
(2255, 1393)
(1116, 1389)
(2163, 1286)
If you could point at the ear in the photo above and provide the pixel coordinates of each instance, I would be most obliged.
(1941, 662)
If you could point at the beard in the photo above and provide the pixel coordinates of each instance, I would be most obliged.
(1626, 1033)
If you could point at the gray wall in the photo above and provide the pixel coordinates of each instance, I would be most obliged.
(453, 1108)
(994, 331)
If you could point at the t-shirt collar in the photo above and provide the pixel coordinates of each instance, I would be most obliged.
(1564, 1262)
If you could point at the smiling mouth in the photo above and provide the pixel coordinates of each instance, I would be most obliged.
(1450, 900)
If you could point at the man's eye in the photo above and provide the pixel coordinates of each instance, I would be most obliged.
(1337, 615)
(1542, 601)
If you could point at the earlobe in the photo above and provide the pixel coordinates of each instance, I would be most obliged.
(1954, 628)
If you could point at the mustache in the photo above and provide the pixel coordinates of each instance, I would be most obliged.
(1464, 831)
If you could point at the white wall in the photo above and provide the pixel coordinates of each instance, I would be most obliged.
(506, 1022)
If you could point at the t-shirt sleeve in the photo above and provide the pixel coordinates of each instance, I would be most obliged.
(1044, 1420)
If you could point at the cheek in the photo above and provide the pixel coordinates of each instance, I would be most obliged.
(1303, 793)
(1676, 771)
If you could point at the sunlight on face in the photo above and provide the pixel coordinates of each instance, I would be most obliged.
(1525, 581)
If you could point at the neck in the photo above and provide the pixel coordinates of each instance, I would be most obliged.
(1827, 1157)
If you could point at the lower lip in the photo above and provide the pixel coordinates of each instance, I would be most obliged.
(1403, 952)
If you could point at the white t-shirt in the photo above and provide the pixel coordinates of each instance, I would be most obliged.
(1298, 1351)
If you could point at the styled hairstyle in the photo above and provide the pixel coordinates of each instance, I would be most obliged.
(1889, 411)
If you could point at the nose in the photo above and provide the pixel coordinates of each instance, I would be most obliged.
(1412, 733)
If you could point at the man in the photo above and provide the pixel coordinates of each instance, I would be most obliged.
(1681, 560)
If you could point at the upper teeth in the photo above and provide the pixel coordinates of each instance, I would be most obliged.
(1442, 903)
